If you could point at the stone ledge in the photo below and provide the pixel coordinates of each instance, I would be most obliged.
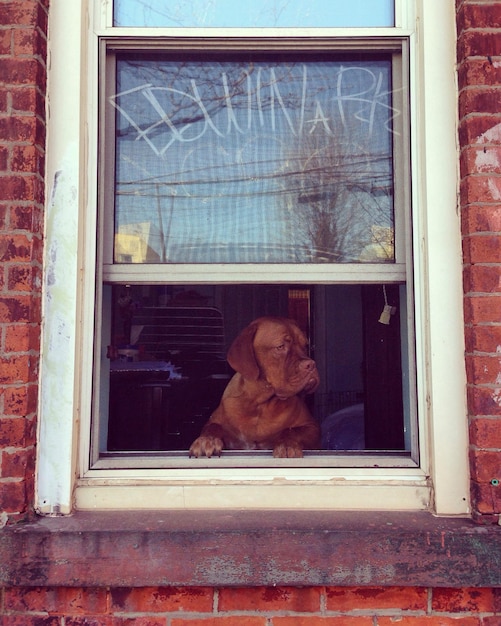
(250, 548)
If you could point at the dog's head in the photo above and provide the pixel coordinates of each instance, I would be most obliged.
(274, 349)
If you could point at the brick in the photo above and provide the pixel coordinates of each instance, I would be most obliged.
(480, 188)
(15, 309)
(478, 72)
(17, 464)
(156, 599)
(24, 278)
(25, 13)
(480, 160)
(4, 158)
(485, 433)
(429, 620)
(486, 15)
(483, 370)
(6, 41)
(26, 159)
(4, 102)
(101, 620)
(476, 100)
(37, 249)
(485, 466)
(484, 401)
(20, 309)
(21, 402)
(29, 41)
(482, 309)
(12, 496)
(486, 499)
(29, 99)
(324, 621)
(17, 369)
(269, 599)
(483, 339)
(30, 620)
(482, 249)
(22, 338)
(482, 279)
(486, 43)
(60, 600)
(27, 218)
(15, 431)
(4, 217)
(466, 600)
(21, 71)
(19, 187)
(18, 129)
(376, 598)
(241, 620)
(141, 621)
(15, 247)
(480, 129)
(478, 219)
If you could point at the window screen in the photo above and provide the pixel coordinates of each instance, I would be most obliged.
(252, 160)
(244, 184)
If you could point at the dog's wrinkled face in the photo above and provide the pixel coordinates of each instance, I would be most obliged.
(274, 349)
(261, 407)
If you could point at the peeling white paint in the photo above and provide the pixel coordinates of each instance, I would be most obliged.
(58, 344)
(496, 396)
(493, 135)
(495, 189)
(487, 160)
(64, 168)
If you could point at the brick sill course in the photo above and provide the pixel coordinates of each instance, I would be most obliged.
(250, 548)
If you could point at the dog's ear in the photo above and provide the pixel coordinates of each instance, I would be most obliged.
(241, 355)
(300, 339)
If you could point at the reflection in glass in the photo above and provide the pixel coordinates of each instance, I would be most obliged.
(274, 160)
(257, 14)
(167, 347)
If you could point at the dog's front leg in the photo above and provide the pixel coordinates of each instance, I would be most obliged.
(292, 441)
(210, 442)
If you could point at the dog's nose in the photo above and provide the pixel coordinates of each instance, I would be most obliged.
(308, 364)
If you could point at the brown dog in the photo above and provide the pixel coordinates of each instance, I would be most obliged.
(260, 408)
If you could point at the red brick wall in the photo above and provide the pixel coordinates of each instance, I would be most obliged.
(261, 606)
(23, 27)
(22, 136)
(479, 74)
(23, 51)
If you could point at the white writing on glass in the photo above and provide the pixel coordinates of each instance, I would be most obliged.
(265, 103)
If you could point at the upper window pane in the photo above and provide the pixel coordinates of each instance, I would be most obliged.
(255, 14)
(262, 159)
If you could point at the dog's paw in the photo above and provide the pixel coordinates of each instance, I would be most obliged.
(206, 446)
(287, 450)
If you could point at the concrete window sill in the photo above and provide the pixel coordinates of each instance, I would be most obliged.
(244, 548)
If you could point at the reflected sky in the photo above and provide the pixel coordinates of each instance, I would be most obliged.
(255, 14)
(256, 160)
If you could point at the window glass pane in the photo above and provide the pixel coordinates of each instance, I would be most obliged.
(259, 13)
(167, 360)
(273, 159)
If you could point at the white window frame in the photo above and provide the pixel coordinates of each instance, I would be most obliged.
(439, 482)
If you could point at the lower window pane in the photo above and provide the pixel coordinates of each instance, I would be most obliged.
(167, 369)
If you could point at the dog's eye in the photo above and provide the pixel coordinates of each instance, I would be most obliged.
(280, 347)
